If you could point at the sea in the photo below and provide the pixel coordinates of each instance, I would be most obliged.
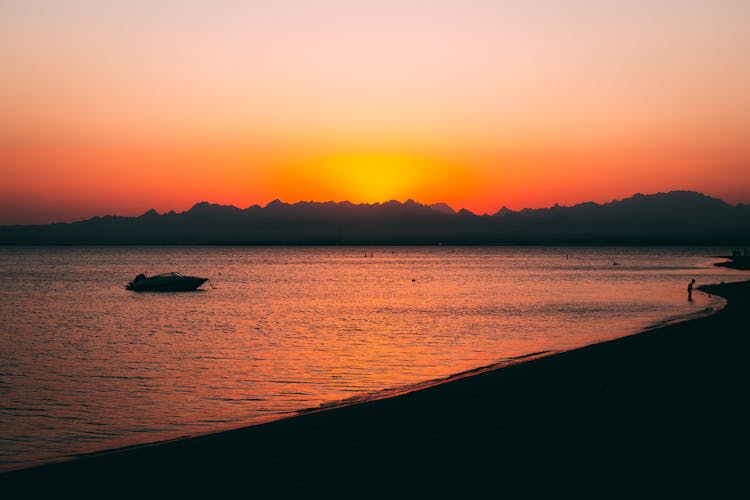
(86, 365)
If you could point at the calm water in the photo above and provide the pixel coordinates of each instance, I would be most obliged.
(86, 365)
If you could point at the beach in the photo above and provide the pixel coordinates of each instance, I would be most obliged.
(663, 413)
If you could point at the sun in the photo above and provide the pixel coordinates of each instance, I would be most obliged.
(356, 177)
(370, 178)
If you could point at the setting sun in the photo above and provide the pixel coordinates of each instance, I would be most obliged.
(374, 177)
(371, 177)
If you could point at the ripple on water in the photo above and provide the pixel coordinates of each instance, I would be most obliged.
(86, 365)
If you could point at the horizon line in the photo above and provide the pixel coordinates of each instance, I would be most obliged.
(278, 201)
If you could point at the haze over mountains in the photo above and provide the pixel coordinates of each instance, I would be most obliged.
(677, 217)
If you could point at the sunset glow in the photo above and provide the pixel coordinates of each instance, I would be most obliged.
(116, 108)
(372, 178)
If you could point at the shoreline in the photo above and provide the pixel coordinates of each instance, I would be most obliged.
(429, 425)
(388, 392)
(740, 262)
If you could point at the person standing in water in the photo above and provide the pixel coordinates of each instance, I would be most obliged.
(690, 291)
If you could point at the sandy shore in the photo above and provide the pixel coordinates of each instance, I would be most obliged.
(735, 262)
(662, 414)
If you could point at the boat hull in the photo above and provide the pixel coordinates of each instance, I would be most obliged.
(183, 284)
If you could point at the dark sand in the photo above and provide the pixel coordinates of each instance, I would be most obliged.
(662, 414)
(736, 262)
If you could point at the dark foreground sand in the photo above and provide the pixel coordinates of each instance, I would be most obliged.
(736, 262)
(663, 414)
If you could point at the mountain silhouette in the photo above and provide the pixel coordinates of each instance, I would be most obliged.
(677, 217)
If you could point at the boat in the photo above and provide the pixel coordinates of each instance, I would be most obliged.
(167, 282)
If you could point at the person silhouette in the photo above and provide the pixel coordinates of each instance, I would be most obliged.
(690, 291)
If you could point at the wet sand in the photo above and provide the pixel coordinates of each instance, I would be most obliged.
(661, 414)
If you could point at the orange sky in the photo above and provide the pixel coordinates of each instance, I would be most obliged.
(120, 108)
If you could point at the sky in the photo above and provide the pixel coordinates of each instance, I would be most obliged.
(118, 107)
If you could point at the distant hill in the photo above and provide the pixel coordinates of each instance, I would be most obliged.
(677, 217)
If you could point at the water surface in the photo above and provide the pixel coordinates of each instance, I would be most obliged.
(86, 365)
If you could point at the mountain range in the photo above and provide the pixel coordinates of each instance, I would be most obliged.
(676, 217)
